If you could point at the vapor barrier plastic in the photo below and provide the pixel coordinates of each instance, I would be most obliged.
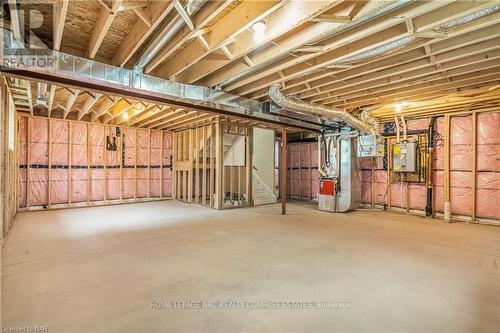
(113, 160)
(155, 177)
(302, 175)
(143, 163)
(488, 165)
(79, 162)
(38, 162)
(167, 164)
(59, 161)
(97, 146)
(23, 160)
(129, 164)
(461, 162)
(87, 164)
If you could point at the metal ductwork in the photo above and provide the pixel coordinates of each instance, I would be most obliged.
(367, 124)
(382, 49)
(40, 95)
(468, 18)
(166, 35)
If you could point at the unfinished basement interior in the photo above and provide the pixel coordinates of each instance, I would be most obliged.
(250, 166)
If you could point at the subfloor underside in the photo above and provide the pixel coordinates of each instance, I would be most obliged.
(146, 268)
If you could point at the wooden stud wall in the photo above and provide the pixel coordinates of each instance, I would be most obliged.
(234, 176)
(193, 165)
(199, 175)
(89, 201)
(446, 171)
(8, 165)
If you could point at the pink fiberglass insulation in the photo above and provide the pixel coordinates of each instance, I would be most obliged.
(488, 195)
(438, 190)
(461, 192)
(488, 141)
(39, 160)
(314, 183)
(59, 186)
(129, 138)
(113, 165)
(461, 160)
(90, 172)
(128, 182)
(417, 196)
(97, 149)
(461, 143)
(293, 156)
(113, 183)
(129, 163)
(365, 163)
(142, 182)
(79, 163)
(366, 185)
(380, 190)
(398, 196)
(417, 124)
(167, 164)
(302, 175)
(296, 181)
(438, 154)
(488, 165)
(96, 184)
(155, 176)
(59, 151)
(23, 156)
(142, 163)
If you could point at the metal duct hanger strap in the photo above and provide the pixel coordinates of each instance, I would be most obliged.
(367, 124)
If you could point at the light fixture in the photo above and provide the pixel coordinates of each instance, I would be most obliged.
(398, 107)
(125, 115)
(259, 26)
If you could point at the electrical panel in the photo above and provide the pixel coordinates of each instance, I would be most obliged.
(404, 157)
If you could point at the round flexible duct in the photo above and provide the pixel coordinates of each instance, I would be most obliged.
(468, 18)
(366, 123)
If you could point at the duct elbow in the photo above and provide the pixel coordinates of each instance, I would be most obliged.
(365, 117)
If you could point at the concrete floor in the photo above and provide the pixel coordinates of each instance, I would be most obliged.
(100, 270)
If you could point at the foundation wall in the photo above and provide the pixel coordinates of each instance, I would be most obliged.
(65, 163)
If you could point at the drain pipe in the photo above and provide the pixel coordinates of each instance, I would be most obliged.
(166, 35)
(290, 103)
(430, 139)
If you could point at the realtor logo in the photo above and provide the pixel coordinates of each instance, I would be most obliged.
(26, 33)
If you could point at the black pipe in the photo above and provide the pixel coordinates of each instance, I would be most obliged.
(430, 136)
(327, 150)
(412, 132)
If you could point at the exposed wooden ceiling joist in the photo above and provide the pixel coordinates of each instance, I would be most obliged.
(206, 14)
(102, 26)
(364, 37)
(233, 24)
(157, 12)
(59, 20)
(247, 41)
